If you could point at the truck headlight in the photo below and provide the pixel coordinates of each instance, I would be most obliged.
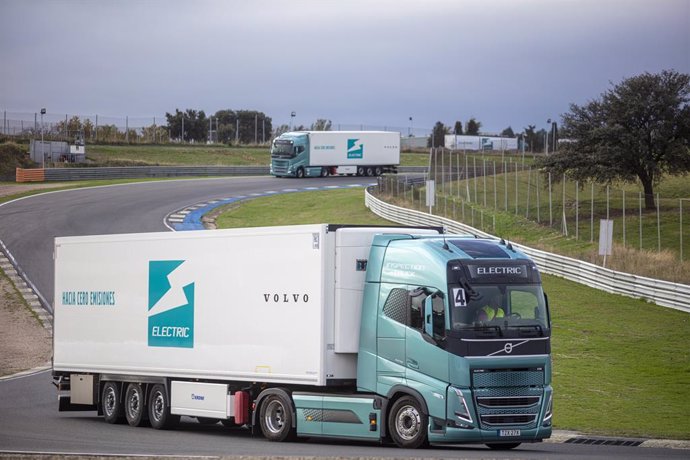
(463, 413)
(549, 411)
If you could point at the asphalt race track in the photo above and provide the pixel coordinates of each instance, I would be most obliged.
(29, 419)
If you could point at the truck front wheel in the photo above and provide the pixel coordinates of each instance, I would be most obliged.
(407, 423)
(299, 173)
(159, 409)
(135, 404)
(276, 418)
(111, 404)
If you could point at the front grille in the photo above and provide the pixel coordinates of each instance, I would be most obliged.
(510, 401)
(508, 397)
(508, 420)
(280, 166)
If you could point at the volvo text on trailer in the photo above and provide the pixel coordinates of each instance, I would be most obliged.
(324, 153)
(368, 333)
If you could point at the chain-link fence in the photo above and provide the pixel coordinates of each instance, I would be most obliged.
(482, 189)
(153, 129)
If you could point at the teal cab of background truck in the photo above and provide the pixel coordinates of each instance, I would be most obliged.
(367, 333)
(326, 153)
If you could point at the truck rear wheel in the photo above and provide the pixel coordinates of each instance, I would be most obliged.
(159, 409)
(276, 418)
(111, 404)
(407, 423)
(135, 404)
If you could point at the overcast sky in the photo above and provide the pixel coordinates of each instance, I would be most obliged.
(505, 62)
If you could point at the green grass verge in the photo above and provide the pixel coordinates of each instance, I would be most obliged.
(621, 366)
(215, 155)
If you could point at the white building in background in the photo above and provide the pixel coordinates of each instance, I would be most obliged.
(479, 143)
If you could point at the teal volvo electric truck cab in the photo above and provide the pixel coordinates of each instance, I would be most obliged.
(455, 334)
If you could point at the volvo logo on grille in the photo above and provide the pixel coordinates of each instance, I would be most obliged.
(507, 348)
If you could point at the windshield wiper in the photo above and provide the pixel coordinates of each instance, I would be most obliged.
(484, 328)
(536, 327)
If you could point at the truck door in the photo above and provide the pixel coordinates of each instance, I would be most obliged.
(426, 360)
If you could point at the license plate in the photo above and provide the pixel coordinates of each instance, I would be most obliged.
(504, 433)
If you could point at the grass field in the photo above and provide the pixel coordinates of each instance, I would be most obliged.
(511, 205)
(621, 366)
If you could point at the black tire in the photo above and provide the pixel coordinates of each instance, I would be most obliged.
(111, 403)
(134, 404)
(370, 171)
(299, 173)
(503, 446)
(159, 409)
(275, 418)
(324, 172)
(360, 170)
(408, 424)
(378, 171)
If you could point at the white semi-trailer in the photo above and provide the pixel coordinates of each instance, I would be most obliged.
(311, 330)
(324, 153)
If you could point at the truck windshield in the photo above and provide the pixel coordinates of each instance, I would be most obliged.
(500, 308)
(282, 149)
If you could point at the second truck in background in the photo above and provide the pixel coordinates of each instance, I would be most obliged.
(324, 153)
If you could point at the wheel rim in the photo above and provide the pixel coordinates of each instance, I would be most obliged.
(110, 401)
(275, 416)
(408, 423)
(157, 406)
(133, 404)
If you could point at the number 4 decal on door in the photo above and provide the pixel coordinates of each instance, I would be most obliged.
(459, 297)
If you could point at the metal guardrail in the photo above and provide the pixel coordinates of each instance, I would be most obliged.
(664, 293)
(138, 172)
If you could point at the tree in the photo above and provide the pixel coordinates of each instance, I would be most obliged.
(321, 125)
(473, 127)
(438, 135)
(457, 130)
(508, 132)
(637, 130)
(195, 125)
(534, 139)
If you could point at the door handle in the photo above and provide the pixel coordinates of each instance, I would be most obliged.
(412, 363)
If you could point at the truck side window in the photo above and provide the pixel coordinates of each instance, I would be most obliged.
(417, 298)
(439, 317)
(396, 305)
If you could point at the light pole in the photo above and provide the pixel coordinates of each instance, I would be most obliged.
(546, 139)
(43, 155)
(292, 117)
(409, 131)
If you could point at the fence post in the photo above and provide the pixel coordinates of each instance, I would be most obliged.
(591, 220)
(658, 223)
(577, 210)
(640, 201)
(623, 217)
(550, 204)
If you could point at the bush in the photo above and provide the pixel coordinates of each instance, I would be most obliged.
(13, 156)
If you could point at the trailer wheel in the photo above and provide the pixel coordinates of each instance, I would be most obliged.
(378, 170)
(159, 409)
(360, 170)
(300, 173)
(370, 171)
(276, 418)
(503, 446)
(111, 403)
(135, 404)
(408, 423)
